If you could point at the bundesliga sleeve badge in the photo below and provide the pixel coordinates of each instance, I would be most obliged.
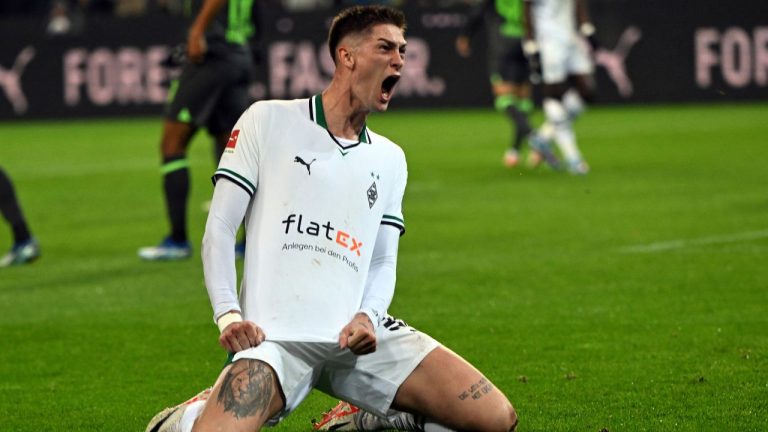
(232, 142)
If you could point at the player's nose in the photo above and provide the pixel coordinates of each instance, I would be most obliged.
(398, 60)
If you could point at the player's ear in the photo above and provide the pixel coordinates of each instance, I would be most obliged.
(346, 56)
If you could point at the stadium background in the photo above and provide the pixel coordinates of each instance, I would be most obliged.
(632, 299)
(654, 51)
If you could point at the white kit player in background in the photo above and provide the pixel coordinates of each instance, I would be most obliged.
(321, 195)
(558, 31)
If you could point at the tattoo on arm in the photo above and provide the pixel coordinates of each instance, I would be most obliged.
(477, 390)
(247, 389)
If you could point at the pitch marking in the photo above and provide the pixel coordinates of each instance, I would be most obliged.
(680, 244)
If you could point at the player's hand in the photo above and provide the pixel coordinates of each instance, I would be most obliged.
(241, 335)
(196, 47)
(463, 47)
(588, 31)
(532, 54)
(359, 335)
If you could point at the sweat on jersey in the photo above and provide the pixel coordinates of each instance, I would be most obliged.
(317, 204)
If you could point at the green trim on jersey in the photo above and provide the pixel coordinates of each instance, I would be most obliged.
(174, 87)
(319, 118)
(239, 25)
(393, 221)
(511, 11)
(229, 173)
(393, 218)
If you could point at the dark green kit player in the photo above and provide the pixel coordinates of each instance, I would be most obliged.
(507, 63)
(211, 92)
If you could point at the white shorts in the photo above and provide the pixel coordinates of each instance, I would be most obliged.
(561, 58)
(369, 381)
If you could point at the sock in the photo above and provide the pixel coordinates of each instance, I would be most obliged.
(11, 210)
(573, 103)
(523, 108)
(434, 427)
(191, 412)
(517, 116)
(563, 129)
(400, 421)
(175, 172)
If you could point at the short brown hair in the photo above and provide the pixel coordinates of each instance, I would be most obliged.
(358, 19)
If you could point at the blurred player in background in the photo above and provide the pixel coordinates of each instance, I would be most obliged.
(558, 31)
(322, 196)
(507, 64)
(211, 92)
(25, 248)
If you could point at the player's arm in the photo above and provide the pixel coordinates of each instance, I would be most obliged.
(586, 28)
(475, 19)
(196, 46)
(360, 334)
(530, 46)
(228, 208)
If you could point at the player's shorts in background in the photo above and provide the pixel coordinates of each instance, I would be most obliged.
(211, 94)
(507, 60)
(368, 381)
(563, 57)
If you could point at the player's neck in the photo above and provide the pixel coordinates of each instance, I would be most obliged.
(343, 118)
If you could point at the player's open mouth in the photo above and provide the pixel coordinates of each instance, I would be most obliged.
(387, 86)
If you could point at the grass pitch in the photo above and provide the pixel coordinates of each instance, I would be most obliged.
(634, 298)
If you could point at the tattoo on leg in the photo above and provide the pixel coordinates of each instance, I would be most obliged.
(247, 389)
(477, 390)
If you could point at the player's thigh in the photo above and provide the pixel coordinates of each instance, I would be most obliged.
(513, 66)
(196, 92)
(371, 381)
(245, 396)
(232, 102)
(448, 389)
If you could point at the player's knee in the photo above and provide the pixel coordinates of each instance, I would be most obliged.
(507, 419)
(502, 419)
(555, 111)
(513, 419)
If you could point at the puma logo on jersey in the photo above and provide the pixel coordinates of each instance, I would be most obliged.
(301, 161)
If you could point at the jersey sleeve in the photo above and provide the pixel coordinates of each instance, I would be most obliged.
(242, 155)
(393, 212)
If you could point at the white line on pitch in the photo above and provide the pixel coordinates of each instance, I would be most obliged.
(679, 244)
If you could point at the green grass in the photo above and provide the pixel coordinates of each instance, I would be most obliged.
(531, 275)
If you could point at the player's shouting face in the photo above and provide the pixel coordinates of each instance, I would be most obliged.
(375, 59)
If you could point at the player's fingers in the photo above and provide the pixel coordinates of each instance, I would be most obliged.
(242, 339)
(234, 343)
(365, 346)
(252, 333)
(224, 342)
(355, 337)
(344, 338)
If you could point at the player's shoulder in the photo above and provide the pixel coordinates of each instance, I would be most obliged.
(386, 145)
(296, 106)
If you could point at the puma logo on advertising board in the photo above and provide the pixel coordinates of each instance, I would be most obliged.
(10, 80)
(614, 61)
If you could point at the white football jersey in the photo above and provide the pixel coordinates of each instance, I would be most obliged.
(554, 19)
(317, 205)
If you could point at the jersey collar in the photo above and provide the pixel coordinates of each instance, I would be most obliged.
(317, 115)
